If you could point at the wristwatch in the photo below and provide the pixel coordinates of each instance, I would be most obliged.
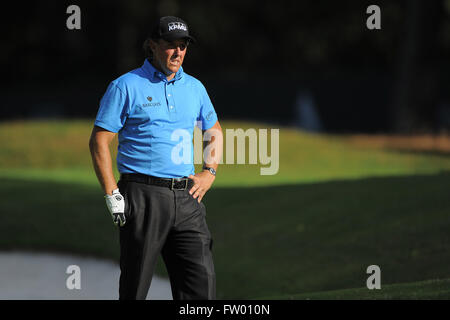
(211, 170)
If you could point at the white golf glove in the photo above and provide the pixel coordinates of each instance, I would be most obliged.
(116, 206)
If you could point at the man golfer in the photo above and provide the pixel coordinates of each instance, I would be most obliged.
(157, 201)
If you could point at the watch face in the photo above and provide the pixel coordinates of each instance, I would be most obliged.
(210, 170)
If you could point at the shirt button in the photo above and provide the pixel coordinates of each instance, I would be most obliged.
(171, 107)
(168, 95)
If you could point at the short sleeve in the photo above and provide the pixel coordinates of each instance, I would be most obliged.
(113, 110)
(207, 116)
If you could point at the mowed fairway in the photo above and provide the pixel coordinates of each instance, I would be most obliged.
(337, 205)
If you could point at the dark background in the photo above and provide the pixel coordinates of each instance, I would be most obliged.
(256, 58)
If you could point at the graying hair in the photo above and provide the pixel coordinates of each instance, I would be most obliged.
(147, 50)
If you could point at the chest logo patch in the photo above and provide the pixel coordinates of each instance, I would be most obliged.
(150, 103)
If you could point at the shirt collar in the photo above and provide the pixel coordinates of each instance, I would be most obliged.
(158, 75)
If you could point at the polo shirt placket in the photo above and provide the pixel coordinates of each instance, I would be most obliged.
(169, 96)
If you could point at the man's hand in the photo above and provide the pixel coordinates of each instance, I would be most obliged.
(202, 182)
(116, 206)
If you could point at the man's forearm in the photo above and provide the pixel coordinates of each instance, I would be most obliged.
(213, 147)
(101, 159)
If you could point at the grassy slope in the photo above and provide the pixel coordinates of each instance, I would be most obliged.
(318, 231)
(438, 289)
(61, 147)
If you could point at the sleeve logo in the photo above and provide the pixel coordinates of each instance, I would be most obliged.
(209, 115)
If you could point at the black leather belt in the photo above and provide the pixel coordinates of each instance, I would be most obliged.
(171, 183)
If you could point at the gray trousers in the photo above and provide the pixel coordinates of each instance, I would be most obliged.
(170, 222)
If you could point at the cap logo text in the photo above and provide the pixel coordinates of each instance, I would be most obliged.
(177, 25)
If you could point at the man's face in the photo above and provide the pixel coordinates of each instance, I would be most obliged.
(168, 56)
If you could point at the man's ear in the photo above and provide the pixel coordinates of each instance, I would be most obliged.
(152, 44)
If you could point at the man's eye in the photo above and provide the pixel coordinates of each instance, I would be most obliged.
(172, 45)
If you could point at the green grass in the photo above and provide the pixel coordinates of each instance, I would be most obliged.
(59, 149)
(438, 289)
(323, 236)
(333, 209)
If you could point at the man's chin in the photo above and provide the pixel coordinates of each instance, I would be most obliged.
(174, 69)
(169, 70)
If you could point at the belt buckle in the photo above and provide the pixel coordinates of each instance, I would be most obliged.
(178, 180)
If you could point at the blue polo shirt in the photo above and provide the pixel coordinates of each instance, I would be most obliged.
(155, 119)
